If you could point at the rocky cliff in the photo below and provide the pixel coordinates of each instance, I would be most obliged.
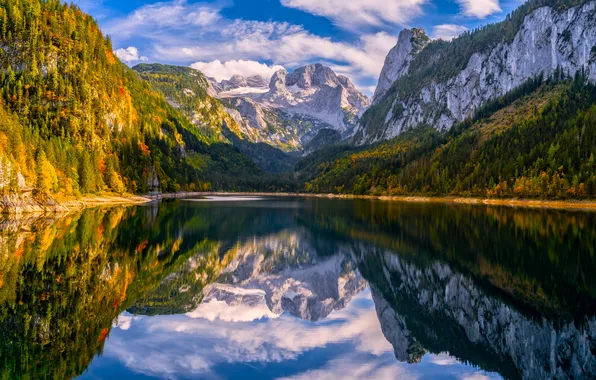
(397, 63)
(239, 82)
(445, 82)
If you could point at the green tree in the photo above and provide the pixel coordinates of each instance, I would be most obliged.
(86, 173)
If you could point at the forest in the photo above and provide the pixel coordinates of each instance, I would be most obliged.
(539, 141)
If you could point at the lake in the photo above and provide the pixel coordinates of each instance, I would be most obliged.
(299, 288)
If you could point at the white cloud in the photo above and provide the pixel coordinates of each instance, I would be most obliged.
(129, 55)
(169, 346)
(225, 70)
(154, 19)
(351, 339)
(448, 32)
(479, 8)
(123, 322)
(361, 60)
(220, 310)
(443, 359)
(284, 337)
(475, 376)
(351, 367)
(352, 14)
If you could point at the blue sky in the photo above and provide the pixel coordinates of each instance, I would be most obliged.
(247, 37)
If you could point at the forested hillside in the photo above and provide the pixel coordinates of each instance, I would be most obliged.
(76, 120)
(538, 141)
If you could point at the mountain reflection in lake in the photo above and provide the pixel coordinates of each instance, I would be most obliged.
(293, 288)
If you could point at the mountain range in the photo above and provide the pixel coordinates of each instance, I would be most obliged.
(290, 109)
(506, 110)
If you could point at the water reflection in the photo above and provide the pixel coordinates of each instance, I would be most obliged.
(292, 288)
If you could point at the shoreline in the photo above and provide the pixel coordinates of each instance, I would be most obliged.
(588, 205)
(68, 205)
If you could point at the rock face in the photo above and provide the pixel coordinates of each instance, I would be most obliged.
(10, 176)
(294, 107)
(316, 90)
(548, 39)
(395, 329)
(286, 273)
(238, 81)
(436, 309)
(397, 63)
(27, 203)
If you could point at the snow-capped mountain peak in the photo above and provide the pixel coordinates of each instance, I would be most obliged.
(293, 107)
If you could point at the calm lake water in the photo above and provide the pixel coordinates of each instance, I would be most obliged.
(299, 288)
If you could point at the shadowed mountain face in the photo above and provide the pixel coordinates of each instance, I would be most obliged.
(507, 291)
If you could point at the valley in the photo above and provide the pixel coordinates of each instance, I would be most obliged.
(471, 117)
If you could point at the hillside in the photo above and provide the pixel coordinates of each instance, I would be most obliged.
(538, 141)
(506, 110)
(187, 90)
(76, 298)
(79, 121)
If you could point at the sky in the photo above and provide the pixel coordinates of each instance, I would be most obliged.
(223, 38)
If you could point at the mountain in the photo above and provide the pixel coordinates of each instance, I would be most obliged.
(187, 90)
(496, 113)
(536, 142)
(266, 275)
(79, 121)
(443, 83)
(397, 63)
(116, 264)
(436, 309)
(238, 82)
(294, 107)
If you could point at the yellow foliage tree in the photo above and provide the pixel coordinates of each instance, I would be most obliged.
(116, 182)
(47, 179)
